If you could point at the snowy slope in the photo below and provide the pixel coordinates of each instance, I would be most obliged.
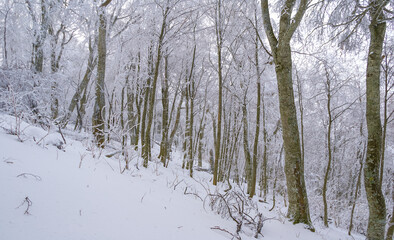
(96, 202)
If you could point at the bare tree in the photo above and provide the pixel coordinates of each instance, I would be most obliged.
(98, 119)
(298, 210)
(376, 202)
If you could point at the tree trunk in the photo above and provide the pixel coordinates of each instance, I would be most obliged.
(5, 53)
(248, 162)
(38, 51)
(376, 202)
(92, 61)
(298, 210)
(328, 168)
(191, 91)
(165, 103)
(360, 156)
(386, 117)
(146, 149)
(256, 137)
(219, 42)
(98, 120)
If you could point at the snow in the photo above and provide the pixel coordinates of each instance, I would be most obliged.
(95, 201)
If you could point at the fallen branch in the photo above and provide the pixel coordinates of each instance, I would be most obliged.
(113, 154)
(191, 193)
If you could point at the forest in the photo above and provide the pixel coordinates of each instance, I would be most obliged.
(289, 100)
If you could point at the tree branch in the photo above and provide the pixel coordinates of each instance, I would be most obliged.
(268, 26)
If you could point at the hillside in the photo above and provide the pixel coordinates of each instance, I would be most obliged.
(48, 193)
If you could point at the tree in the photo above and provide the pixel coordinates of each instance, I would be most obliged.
(146, 151)
(219, 22)
(376, 202)
(98, 119)
(40, 32)
(298, 210)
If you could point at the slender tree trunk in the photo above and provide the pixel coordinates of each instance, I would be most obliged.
(265, 156)
(301, 107)
(256, 137)
(248, 162)
(200, 145)
(360, 155)
(219, 42)
(176, 124)
(191, 120)
(98, 120)
(5, 53)
(124, 127)
(165, 103)
(131, 114)
(134, 96)
(92, 61)
(385, 116)
(147, 92)
(265, 151)
(147, 146)
(201, 130)
(191, 92)
(376, 202)
(81, 110)
(328, 168)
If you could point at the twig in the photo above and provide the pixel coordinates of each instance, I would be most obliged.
(42, 138)
(191, 193)
(25, 175)
(175, 185)
(61, 133)
(109, 165)
(29, 204)
(224, 230)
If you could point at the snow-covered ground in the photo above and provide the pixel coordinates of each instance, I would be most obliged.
(51, 191)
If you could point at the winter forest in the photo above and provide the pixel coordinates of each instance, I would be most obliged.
(284, 103)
